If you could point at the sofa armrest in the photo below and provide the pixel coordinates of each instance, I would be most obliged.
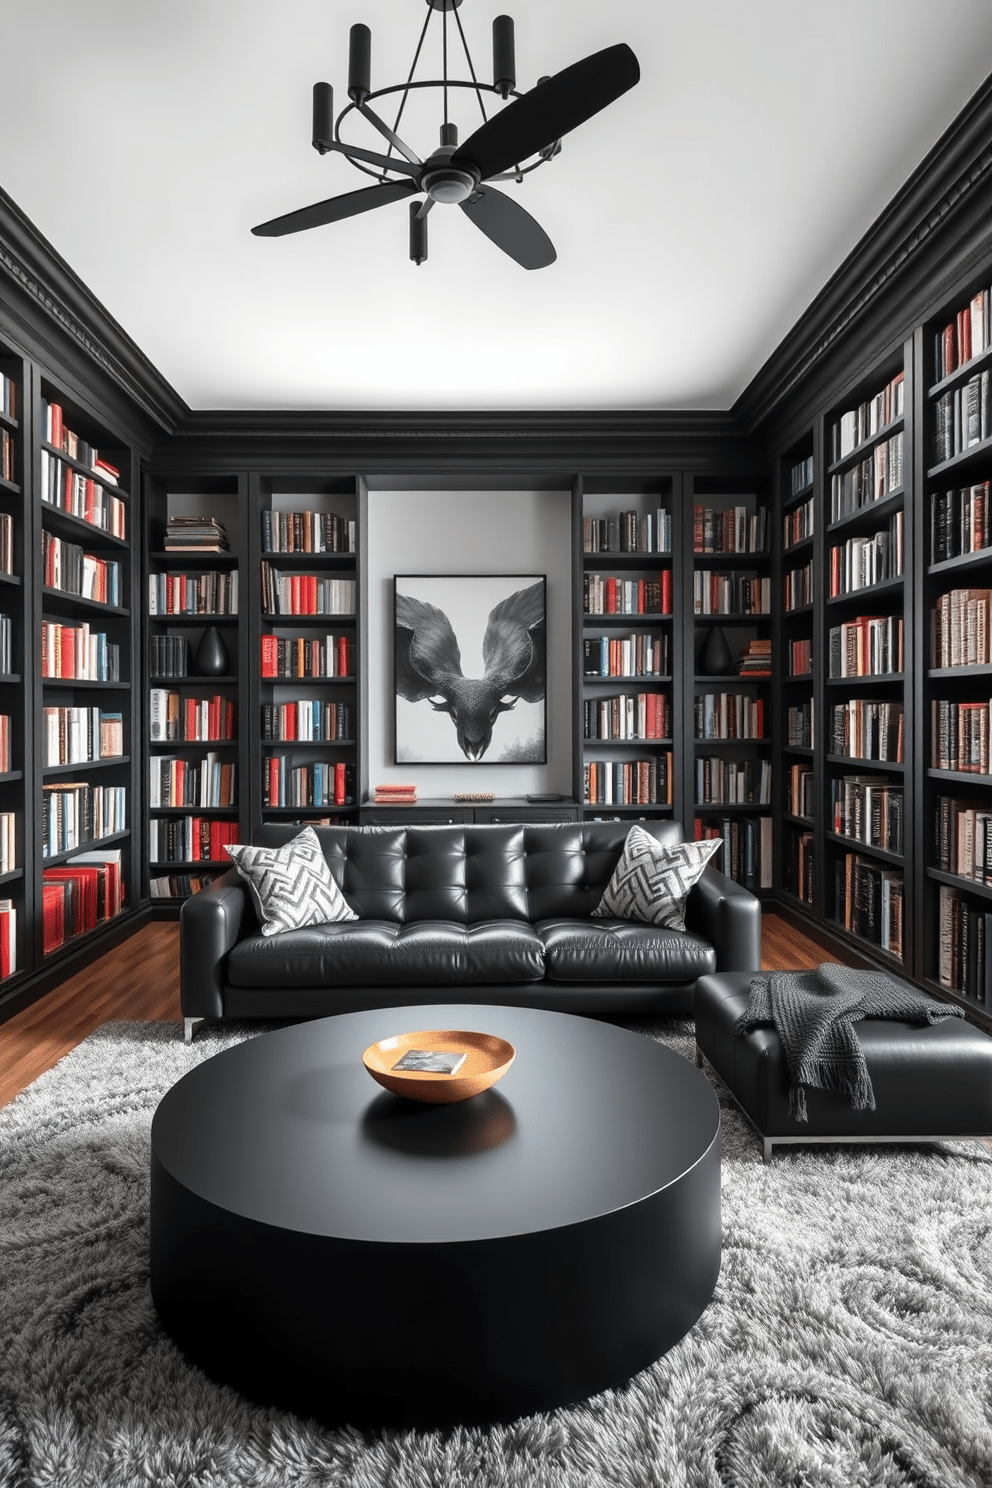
(729, 917)
(209, 925)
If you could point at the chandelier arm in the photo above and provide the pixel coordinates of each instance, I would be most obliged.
(468, 59)
(386, 162)
(389, 134)
(413, 68)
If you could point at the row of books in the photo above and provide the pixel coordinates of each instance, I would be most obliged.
(317, 783)
(6, 646)
(604, 594)
(798, 524)
(179, 885)
(962, 418)
(74, 812)
(728, 715)
(63, 438)
(305, 594)
(8, 396)
(960, 522)
(628, 532)
(730, 594)
(868, 419)
(307, 532)
(959, 735)
(800, 658)
(8, 456)
(801, 476)
(870, 901)
(862, 562)
(168, 656)
(879, 475)
(963, 838)
(8, 853)
(642, 715)
(173, 717)
(81, 496)
(960, 633)
(310, 719)
(802, 861)
(298, 656)
(868, 646)
(732, 529)
(799, 726)
(190, 839)
(195, 534)
(869, 810)
(800, 795)
(964, 947)
(963, 338)
(65, 566)
(76, 652)
(80, 895)
(721, 782)
(627, 656)
(8, 938)
(73, 735)
(211, 593)
(645, 782)
(206, 783)
(866, 728)
(798, 584)
(747, 847)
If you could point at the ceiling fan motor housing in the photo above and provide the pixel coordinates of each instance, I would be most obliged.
(445, 182)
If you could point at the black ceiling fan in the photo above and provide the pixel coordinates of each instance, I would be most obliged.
(501, 149)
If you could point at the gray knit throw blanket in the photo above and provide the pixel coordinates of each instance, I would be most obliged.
(814, 1013)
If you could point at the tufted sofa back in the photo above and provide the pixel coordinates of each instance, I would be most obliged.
(471, 873)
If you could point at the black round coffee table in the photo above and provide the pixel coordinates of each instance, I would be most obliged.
(323, 1244)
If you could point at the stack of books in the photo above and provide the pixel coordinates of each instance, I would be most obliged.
(395, 795)
(756, 659)
(193, 534)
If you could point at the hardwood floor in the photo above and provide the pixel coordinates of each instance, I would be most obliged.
(139, 982)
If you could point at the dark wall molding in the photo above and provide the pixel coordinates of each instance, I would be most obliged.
(900, 267)
(57, 312)
(455, 443)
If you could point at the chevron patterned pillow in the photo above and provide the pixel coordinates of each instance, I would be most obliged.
(651, 882)
(292, 885)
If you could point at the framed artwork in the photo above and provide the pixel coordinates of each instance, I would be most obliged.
(470, 659)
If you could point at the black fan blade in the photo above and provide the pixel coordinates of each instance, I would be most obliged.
(510, 228)
(550, 110)
(335, 208)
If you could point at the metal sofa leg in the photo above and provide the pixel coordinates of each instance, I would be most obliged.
(190, 1025)
(766, 1149)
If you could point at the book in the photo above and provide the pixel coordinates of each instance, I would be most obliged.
(431, 1061)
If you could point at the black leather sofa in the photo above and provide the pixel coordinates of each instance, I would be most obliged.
(501, 911)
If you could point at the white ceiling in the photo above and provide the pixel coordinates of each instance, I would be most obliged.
(694, 219)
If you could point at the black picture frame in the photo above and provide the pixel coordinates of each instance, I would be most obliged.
(470, 669)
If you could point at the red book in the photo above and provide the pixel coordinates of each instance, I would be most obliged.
(610, 600)
(949, 361)
(964, 335)
(666, 591)
(294, 594)
(311, 593)
(53, 915)
(339, 783)
(344, 669)
(5, 944)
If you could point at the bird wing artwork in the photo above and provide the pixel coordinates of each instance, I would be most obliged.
(428, 663)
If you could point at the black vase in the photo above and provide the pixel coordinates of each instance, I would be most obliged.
(715, 657)
(212, 659)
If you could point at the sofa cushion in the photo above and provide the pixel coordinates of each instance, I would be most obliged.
(371, 953)
(291, 886)
(621, 951)
(651, 883)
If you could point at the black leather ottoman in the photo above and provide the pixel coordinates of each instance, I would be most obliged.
(930, 1082)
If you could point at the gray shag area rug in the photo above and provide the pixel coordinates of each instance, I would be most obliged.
(849, 1341)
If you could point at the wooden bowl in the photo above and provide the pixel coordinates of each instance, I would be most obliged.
(487, 1059)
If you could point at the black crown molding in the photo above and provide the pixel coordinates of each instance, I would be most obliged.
(53, 295)
(454, 443)
(914, 242)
